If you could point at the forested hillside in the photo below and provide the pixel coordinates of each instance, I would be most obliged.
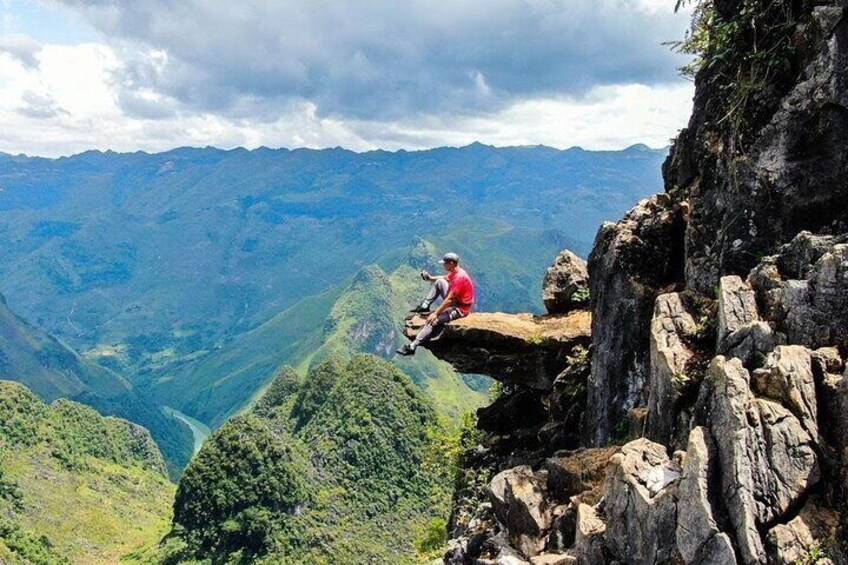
(348, 466)
(52, 370)
(75, 487)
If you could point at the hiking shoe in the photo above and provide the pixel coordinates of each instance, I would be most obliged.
(420, 309)
(406, 350)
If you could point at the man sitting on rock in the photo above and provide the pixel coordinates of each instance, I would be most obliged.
(457, 293)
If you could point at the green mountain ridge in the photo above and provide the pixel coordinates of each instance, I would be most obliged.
(332, 469)
(363, 315)
(52, 370)
(75, 487)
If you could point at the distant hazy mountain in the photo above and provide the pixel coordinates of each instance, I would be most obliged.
(148, 261)
(52, 370)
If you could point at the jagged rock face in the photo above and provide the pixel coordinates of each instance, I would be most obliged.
(631, 263)
(807, 302)
(699, 538)
(640, 504)
(589, 540)
(789, 175)
(740, 332)
(765, 426)
(519, 502)
(566, 283)
(670, 355)
(769, 464)
(794, 541)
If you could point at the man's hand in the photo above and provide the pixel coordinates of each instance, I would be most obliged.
(432, 317)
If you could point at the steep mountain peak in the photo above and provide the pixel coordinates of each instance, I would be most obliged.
(342, 461)
(369, 275)
(422, 254)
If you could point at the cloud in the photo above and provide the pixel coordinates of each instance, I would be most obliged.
(21, 47)
(328, 75)
(39, 106)
(378, 59)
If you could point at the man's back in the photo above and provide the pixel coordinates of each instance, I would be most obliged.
(462, 287)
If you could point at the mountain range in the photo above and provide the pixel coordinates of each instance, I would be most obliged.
(195, 274)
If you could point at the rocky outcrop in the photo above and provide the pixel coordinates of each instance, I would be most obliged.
(808, 304)
(719, 325)
(670, 356)
(769, 465)
(754, 184)
(640, 504)
(796, 540)
(518, 349)
(566, 284)
(631, 263)
(699, 538)
(519, 502)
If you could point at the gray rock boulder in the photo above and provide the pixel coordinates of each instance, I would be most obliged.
(792, 542)
(737, 307)
(669, 357)
(631, 263)
(751, 343)
(699, 539)
(566, 284)
(811, 310)
(788, 378)
(589, 539)
(520, 503)
(766, 458)
(640, 504)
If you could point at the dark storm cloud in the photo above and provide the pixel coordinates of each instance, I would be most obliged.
(379, 59)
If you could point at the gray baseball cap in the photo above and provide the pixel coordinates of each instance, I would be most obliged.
(450, 257)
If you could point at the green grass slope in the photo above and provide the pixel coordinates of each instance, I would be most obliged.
(75, 487)
(52, 370)
(331, 470)
(364, 315)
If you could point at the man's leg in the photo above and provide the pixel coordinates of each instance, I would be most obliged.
(447, 316)
(439, 289)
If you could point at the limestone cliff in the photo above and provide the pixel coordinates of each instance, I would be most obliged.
(712, 406)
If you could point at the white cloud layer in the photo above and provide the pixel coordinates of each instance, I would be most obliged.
(356, 74)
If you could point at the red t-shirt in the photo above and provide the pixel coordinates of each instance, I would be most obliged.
(463, 289)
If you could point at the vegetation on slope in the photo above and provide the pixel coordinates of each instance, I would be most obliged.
(332, 471)
(75, 487)
(52, 370)
(364, 315)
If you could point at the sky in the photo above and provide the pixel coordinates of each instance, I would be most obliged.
(157, 74)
